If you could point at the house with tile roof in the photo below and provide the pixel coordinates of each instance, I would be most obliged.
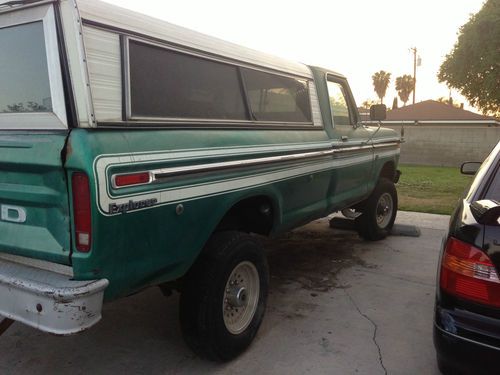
(434, 112)
(440, 134)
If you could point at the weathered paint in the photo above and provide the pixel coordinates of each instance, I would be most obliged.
(149, 246)
(47, 300)
(32, 178)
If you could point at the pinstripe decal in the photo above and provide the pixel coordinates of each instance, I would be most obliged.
(196, 191)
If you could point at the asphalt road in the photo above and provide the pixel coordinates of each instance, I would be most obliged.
(337, 305)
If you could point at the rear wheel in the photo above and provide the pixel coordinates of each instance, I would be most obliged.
(379, 212)
(223, 299)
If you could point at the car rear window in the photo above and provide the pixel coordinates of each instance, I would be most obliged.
(493, 191)
(24, 76)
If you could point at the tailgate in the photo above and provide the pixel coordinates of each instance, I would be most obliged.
(33, 196)
(34, 213)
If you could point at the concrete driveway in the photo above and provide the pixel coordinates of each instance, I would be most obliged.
(337, 305)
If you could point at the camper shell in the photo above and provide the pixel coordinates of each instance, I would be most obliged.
(131, 149)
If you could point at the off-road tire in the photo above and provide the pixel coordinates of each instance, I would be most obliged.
(367, 225)
(203, 294)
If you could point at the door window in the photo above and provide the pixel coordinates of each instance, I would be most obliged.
(338, 104)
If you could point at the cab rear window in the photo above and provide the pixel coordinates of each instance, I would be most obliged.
(24, 77)
(277, 98)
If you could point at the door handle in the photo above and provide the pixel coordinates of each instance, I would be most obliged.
(344, 138)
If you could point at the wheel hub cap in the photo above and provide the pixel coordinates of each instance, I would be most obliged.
(237, 297)
(384, 210)
(241, 297)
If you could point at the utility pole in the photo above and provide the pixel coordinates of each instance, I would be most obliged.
(414, 50)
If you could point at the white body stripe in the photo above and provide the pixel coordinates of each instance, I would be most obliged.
(196, 191)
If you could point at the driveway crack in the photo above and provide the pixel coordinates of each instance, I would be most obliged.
(375, 329)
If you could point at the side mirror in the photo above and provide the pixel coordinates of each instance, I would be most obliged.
(470, 167)
(486, 211)
(378, 112)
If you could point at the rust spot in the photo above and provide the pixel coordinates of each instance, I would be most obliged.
(69, 149)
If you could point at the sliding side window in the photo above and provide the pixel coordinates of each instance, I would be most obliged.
(279, 98)
(169, 84)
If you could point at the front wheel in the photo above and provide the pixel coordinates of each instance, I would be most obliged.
(378, 212)
(224, 296)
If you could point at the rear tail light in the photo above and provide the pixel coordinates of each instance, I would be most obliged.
(131, 179)
(81, 210)
(467, 272)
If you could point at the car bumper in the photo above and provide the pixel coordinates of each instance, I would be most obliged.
(47, 298)
(465, 356)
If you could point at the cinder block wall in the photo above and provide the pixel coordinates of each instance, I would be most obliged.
(446, 145)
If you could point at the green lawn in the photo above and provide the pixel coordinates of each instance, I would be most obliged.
(430, 189)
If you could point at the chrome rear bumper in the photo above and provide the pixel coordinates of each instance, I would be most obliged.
(48, 299)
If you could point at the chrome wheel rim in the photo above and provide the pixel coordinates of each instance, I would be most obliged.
(384, 210)
(241, 297)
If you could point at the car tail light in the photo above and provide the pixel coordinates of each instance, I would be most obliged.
(82, 212)
(467, 272)
(132, 179)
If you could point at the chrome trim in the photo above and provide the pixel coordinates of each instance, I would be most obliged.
(14, 8)
(187, 51)
(350, 102)
(189, 120)
(384, 145)
(158, 174)
(465, 339)
(113, 179)
(49, 301)
(179, 171)
(37, 263)
(126, 102)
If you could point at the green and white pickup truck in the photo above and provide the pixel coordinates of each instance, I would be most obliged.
(135, 153)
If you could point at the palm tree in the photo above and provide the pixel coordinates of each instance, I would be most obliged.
(380, 83)
(404, 86)
(368, 103)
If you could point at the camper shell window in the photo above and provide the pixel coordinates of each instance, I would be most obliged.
(167, 84)
(23, 70)
(31, 87)
(277, 98)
